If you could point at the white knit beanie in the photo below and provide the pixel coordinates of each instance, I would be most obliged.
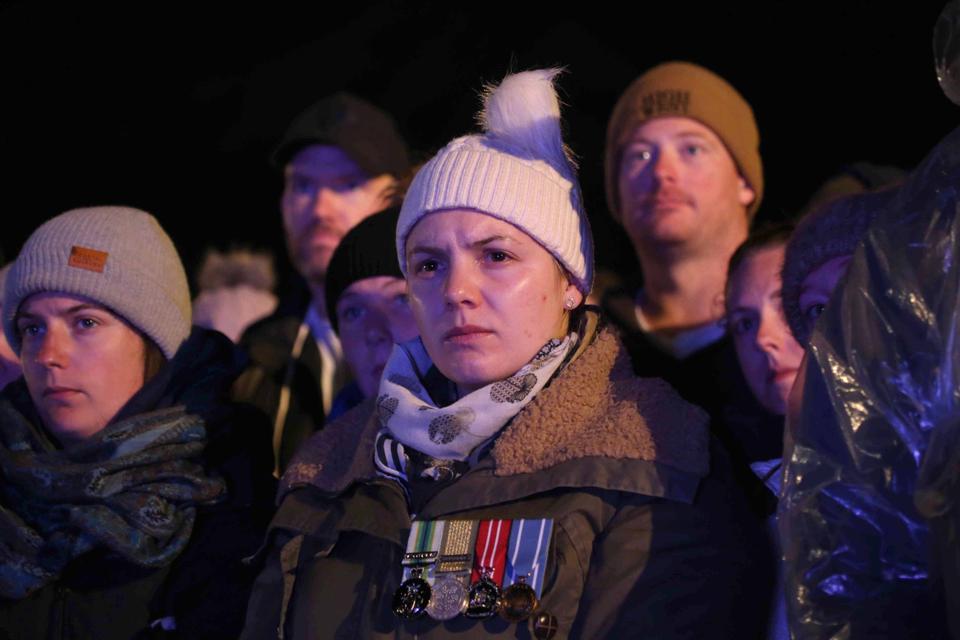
(116, 256)
(518, 170)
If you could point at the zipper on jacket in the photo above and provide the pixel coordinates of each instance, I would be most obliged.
(60, 611)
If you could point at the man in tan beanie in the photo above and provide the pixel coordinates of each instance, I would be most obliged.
(684, 178)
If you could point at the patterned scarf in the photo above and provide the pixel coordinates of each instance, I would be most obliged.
(441, 439)
(131, 489)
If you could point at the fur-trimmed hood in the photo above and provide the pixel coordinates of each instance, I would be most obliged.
(596, 407)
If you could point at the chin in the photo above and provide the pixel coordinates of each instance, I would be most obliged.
(776, 405)
(314, 271)
(468, 376)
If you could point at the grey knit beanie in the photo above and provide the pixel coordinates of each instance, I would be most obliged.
(830, 231)
(518, 170)
(116, 256)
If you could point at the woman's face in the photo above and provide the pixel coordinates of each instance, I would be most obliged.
(81, 362)
(768, 354)
(486, 295)
(373, 314)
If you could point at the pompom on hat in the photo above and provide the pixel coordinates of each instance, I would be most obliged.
(116, 256)
(518, 170)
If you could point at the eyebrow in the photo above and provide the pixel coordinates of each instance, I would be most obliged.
(431, 250)
(678, 135)
(74, 309)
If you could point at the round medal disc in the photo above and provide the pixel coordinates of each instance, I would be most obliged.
(484, 599)
(518, 602)
(448, 599)
(411, 598)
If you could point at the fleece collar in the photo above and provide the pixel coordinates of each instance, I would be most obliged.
(596, 407)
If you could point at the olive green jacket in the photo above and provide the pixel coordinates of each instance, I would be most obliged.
(647, 541)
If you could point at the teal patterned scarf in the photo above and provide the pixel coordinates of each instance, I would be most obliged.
(131, 489)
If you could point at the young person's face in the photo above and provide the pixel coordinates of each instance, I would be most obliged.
(81, 362)
(486, 295)
(768, 354)
(373, 314)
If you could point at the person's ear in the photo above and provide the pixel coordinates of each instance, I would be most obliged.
(745, 192)
(572, 298)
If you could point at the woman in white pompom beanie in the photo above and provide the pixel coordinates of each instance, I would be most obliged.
(511, 470)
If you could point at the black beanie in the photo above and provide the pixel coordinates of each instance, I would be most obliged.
(367, 251)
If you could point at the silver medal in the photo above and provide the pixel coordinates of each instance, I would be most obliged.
(448, 599)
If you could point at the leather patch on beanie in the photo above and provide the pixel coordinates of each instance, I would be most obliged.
(89, 259)
(666, 102)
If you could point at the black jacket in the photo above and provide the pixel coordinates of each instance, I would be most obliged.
(272, 367)
(710, 378)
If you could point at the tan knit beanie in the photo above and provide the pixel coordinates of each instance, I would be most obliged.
(518, 170)
(116, 256)
(683, 89)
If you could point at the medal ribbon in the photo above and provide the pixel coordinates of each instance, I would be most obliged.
(529, 544)
(491, 550)
(423, 548)
(456, 555)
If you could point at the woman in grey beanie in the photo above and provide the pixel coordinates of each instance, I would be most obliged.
(511, 476)
(123, 466)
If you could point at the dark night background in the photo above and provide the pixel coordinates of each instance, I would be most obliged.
(175, 109)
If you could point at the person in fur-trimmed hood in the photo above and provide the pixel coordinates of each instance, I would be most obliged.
(512, 470)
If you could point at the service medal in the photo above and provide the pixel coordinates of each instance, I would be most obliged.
(448, 599)
(518, 601)
(484, 598)
(411, 598)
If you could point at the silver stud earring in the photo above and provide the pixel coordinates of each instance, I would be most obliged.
(568, 303)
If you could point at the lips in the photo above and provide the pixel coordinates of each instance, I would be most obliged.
(783, 375)
(60, 393)
(465, 334)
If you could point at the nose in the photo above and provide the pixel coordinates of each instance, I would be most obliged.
(460, 287)
(771, 333)
(376, 331)
(664, 165)
(325, 201)
(52, 352)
